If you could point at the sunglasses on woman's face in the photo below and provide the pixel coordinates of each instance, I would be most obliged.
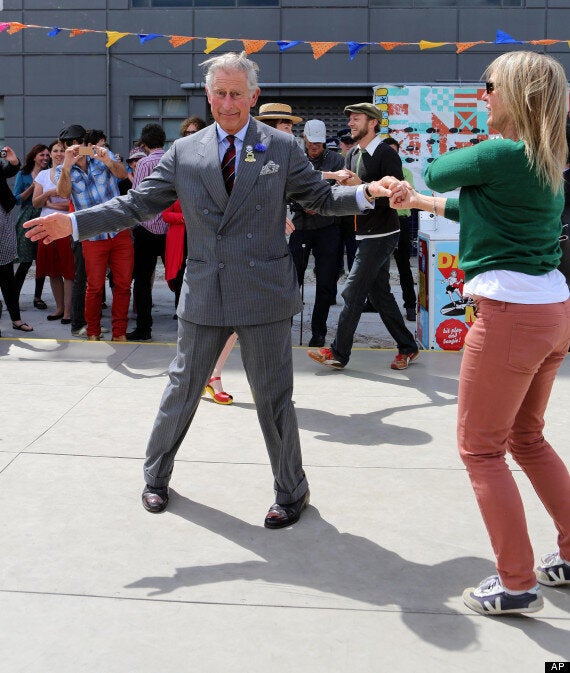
(489, 87)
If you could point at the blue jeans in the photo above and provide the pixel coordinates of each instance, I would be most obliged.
(370, 277)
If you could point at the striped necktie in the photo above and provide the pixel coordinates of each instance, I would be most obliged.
(229, 164)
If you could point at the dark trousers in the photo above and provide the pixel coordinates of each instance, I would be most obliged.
(148, 247)
(78, 289)
(324, 244)
(348, 242)
(402, 257)
(370, 276)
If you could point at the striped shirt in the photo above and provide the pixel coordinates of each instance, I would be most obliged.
(145, 167)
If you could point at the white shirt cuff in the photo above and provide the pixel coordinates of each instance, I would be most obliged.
(361, 201)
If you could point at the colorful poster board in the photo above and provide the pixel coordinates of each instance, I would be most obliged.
(430, 120)
(445, 313)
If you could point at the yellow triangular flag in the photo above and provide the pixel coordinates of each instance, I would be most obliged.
(113, 36)
(213, 43)
(424, 44)
(320, 48)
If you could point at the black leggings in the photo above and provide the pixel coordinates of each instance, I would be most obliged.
(10, 291)
(20, 277)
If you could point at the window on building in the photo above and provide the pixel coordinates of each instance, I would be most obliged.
(447, 3)
(168, 112)
(205, 3)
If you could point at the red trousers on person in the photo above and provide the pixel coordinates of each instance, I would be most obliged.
(512, 354)
(117, 254)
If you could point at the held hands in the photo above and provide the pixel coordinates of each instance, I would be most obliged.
(387, 186)
(346, 178)
(48, 228)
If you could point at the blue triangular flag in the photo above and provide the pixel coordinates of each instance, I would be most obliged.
(54, 31)
(283, 45)
(505, 38)
(146, 38)
(354, 48)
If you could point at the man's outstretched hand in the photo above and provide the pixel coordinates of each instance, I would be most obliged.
(49, 228)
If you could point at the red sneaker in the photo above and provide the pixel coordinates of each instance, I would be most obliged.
(326, 357)
(402, 360)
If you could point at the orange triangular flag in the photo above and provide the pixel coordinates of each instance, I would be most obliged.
(15, 27)
(213, 43)
(546, 42)
(388, 46)
(113, 36)
(463, 46)
(78, 31)
(251, 46)
(320, 48)
(424, 44)
(179, 40)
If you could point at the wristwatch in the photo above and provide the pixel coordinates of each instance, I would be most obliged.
(367, 193)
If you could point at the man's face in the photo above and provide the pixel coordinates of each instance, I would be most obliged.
(360, 125)
(230, 99)
(314, 150)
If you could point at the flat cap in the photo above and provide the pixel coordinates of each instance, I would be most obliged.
(364, 108)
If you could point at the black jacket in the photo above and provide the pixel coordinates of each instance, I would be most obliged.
(328, 161)
(384, 161)
(7, 199)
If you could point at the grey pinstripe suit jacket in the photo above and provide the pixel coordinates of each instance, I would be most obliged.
(239, 271)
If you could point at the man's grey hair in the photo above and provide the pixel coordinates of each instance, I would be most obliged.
(231, 61)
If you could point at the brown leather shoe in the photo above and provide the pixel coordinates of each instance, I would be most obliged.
(155, 500)
(280, 516)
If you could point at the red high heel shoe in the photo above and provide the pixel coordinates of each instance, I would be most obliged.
(219, 398)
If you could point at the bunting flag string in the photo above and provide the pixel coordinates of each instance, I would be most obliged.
(252, 46)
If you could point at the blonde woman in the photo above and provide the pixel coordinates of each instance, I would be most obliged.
(509, 211)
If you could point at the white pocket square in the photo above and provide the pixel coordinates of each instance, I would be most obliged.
(269, 167)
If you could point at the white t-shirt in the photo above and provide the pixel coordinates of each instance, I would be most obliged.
(43, 178)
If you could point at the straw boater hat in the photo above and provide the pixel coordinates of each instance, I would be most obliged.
(277, 111)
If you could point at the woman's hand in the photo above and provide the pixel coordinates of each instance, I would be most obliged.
(11, 156)
(289, 226)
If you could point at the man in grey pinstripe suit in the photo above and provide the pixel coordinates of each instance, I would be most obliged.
(239, 274)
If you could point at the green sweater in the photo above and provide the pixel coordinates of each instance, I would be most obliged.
(508, 220)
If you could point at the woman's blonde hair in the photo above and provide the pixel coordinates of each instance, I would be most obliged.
(535, 94)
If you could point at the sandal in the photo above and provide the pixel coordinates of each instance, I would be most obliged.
(219, 398)
(40, 303)
(23, 327)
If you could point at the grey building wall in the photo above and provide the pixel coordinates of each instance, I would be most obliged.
(47, 83)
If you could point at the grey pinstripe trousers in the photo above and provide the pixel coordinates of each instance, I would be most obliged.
(266, 355)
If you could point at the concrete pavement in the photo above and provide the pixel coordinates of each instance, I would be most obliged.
(369, 580)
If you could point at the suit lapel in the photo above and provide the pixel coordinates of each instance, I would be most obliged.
(211, 174)
(248, 171)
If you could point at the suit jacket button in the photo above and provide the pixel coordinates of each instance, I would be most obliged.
(249, 235)
(221, 265)
(219, 237)
(258, 207)
(252, 263)
(205, 211)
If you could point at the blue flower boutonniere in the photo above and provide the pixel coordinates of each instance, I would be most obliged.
(260, 147)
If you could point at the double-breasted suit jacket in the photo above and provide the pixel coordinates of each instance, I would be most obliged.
(239, 270)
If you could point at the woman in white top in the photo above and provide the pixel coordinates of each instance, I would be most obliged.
(56, 259)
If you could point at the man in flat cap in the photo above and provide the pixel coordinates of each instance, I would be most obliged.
(378, 231)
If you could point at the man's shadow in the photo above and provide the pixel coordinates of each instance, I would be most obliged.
(314, 555)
